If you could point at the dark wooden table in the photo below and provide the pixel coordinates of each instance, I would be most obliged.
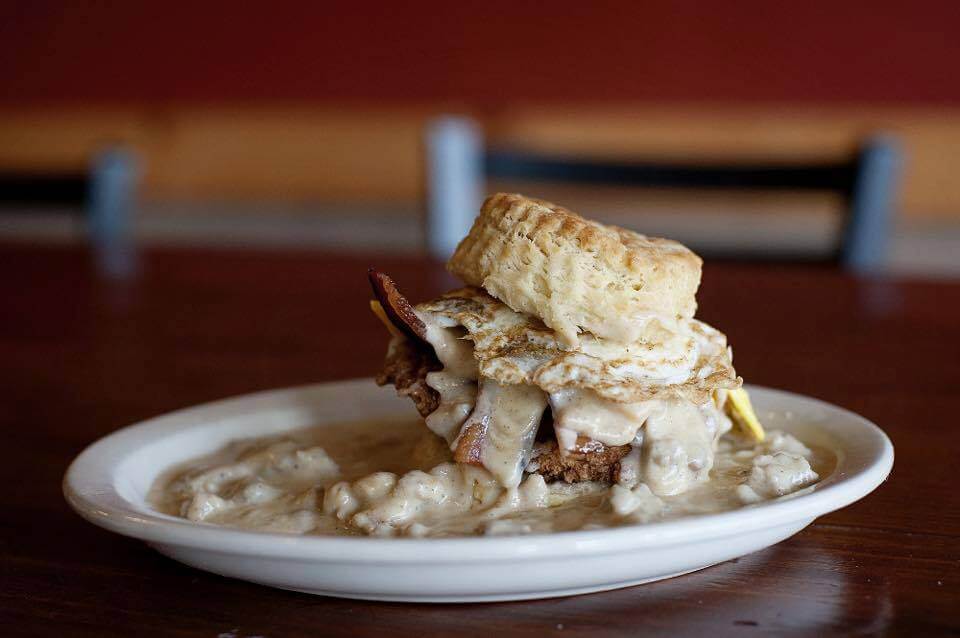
(81, 356)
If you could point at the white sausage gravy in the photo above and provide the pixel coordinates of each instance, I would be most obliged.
(397, 480)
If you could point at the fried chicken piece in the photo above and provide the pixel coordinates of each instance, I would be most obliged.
(410, 358)
(406, 367)
(589, 461)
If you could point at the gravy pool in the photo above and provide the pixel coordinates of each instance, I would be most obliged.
(371, 479)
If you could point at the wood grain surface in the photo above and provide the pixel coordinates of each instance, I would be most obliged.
(81, 357)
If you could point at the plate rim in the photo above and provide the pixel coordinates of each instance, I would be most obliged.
(89, 488)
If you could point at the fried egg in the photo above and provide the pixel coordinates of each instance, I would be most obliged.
(679, 358)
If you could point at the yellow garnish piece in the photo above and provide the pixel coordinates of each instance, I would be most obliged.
(382, 316)
(740, 411)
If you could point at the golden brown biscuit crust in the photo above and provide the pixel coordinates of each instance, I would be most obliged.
(575, 274)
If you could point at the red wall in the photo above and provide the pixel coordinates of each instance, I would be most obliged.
(486, 53)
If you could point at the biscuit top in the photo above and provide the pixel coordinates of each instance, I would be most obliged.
(575, 274)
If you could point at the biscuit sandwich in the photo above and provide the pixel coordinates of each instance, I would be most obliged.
(572, 352)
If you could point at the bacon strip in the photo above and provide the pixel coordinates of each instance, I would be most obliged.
(470, 442)
(499, 433)
(395, 305)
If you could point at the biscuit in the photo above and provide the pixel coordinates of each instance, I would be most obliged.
(574, 274)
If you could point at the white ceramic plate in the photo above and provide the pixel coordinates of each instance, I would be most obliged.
(107, 484)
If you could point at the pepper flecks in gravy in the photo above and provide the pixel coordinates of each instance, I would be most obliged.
(398, 480)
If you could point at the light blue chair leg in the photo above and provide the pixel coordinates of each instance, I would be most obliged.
(866, 241)
(454, 149)
(115, 174)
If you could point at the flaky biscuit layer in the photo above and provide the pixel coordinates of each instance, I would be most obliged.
(575, 274)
